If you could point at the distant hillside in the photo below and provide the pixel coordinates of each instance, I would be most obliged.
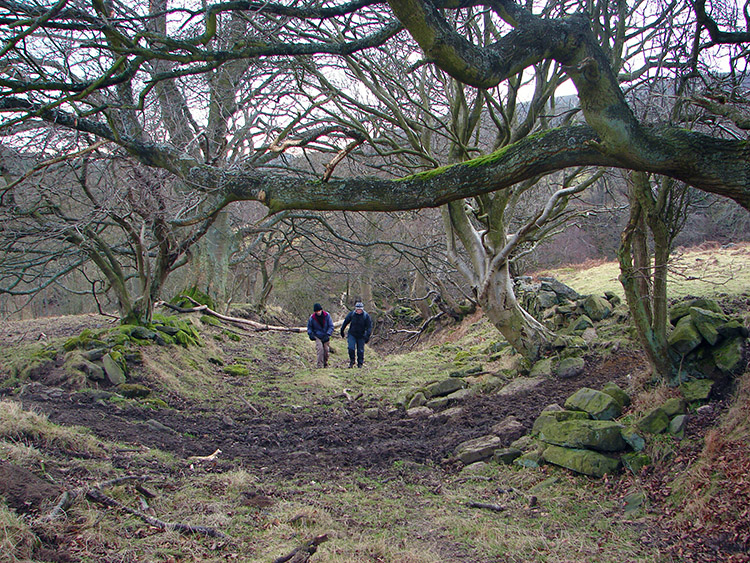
(708, 269)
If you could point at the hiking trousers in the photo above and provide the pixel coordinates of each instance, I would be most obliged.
(358, 344)
(323, 350)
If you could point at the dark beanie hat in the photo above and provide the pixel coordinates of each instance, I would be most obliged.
(317, 307)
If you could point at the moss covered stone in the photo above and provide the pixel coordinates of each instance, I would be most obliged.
(478, 449)
(554, 416)
(506, 456)
(597, 308)
(685, 337)
(707, 323)
(209, 320)
(87, 340)
(635, 462)
(677, 425)
(614, 391)
(654, 421)
(133, 390)
(633, 438)
(570, 367)
(682, 309)
(530, 460)
(674, 406)
(696, 389)
(188, 297)
(116, 373)
(600, 435)
(597, 404)
(542, 368)
(582, 461)
(728, 355)
(445, 387)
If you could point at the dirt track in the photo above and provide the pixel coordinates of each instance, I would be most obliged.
(319, 441)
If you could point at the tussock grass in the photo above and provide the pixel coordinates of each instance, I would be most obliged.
(17, 541)
(19, 425)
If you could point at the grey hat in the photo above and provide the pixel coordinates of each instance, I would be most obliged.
(359, 305)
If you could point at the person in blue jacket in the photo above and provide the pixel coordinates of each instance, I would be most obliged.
(359, 332)
(320, 329)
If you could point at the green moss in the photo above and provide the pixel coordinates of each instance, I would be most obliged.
(209, 320)
(236, 369)
(426, 175)
(86, 340)
(187, 297)
(186, 339)
(154, 403)
(232, 336)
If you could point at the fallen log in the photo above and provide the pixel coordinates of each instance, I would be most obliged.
(245, 322)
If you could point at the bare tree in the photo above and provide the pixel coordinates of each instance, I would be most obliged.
(107, 72)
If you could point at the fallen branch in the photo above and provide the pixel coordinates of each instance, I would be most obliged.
(95, 494)
(302, 553)
(249, 405)
(247, 322)
(68, 497)
(417, 333)
(98, 496)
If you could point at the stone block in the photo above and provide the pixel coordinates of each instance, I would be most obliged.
(598, 405)
(654, 421)
(600, 435)
(586, 462)
(478, 449)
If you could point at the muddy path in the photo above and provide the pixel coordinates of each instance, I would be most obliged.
(318, 440)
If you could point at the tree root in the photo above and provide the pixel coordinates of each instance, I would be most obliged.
(302, 553)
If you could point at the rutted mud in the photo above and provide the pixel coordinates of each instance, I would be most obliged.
(314, 442)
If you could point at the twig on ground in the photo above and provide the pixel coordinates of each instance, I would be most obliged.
(249, 405)
(68, 497)
(486, 506)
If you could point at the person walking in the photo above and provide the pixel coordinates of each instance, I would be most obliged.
(320, 329)
(359, 333)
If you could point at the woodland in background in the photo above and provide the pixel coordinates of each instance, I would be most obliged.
(143, 146)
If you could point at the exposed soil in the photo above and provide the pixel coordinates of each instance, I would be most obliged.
(314, 442)
(320, 442)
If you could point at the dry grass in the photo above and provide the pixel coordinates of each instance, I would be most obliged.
(25, 427)
(17, 541)
(702, 271)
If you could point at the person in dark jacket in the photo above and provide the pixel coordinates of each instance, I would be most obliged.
(359, 333)
(320, 329)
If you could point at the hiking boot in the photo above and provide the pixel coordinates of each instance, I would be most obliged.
(351, 365)
(359, 366)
